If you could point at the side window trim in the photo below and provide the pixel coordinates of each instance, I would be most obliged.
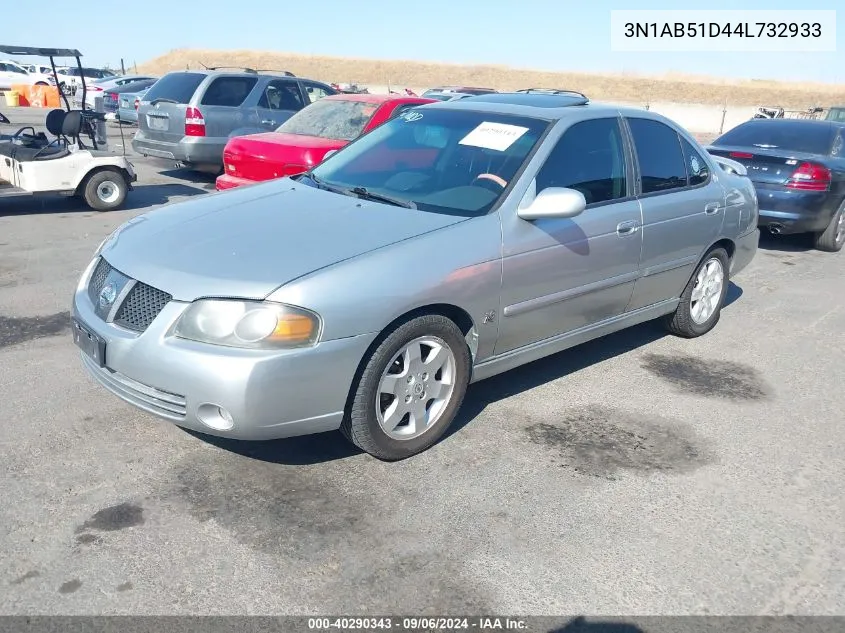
(639, 178)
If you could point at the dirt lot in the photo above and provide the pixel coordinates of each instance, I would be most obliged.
(639, 474)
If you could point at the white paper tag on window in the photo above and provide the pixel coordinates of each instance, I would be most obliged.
(498, 136)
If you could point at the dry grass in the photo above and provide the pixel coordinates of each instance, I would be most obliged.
(626, 87)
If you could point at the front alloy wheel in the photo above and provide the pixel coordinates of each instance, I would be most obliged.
(410, 388)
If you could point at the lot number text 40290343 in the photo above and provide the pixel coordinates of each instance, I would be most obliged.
(724, 29)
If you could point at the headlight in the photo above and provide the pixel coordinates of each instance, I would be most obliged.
(248, 324)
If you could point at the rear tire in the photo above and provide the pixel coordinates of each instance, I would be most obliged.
(832, 239)
(703, 298)
(410, 390)
(105, 190)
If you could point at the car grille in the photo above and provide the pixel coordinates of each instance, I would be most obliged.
(139, 308)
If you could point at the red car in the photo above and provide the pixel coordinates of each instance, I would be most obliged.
(303, 140)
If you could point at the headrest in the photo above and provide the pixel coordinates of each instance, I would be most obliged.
(72, 125)
(55, 120)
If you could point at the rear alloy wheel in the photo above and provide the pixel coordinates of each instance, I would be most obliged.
(410, 389)
(105, 190)
(701, 302)
(832, 239)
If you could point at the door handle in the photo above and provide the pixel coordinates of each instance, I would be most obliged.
(627, 228)
(711, 207)
(268, 122)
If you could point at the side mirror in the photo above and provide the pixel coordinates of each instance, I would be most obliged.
(329, 153)
(554, 202)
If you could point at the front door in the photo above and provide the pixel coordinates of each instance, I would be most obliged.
(563, 274)
(683, 210)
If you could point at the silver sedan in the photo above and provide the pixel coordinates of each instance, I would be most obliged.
(454, 242)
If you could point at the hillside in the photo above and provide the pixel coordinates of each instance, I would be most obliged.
(607, 87)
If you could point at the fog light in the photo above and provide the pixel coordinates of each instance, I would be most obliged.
(215, 417)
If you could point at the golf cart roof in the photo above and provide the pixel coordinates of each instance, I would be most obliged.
(41, 52)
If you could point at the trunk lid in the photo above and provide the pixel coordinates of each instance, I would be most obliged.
(766, 166)
(273, 155)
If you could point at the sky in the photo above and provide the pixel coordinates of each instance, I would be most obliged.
(551, 35)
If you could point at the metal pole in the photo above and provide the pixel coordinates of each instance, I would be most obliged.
(99, 107)
(122, 67)
(724, 112)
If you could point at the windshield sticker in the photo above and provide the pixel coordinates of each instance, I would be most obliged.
(498, 136)
(410, 116)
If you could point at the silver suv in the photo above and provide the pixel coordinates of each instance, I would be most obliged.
(187, 117)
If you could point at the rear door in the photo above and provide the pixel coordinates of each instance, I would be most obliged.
(225, 103)
(683, 209)
(279, 100)
(161, 116)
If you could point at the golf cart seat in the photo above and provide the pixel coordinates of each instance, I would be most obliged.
(63, 125)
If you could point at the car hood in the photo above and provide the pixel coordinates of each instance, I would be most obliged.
(249, 241)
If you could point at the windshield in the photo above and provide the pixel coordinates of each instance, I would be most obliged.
(446, 161)
(177, 87)
(331, 118)
(809, 137)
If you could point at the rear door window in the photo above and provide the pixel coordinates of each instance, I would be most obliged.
(176, 87)
(658, 149)
(228, 91)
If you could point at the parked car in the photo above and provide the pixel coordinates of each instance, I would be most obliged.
(111, 97)
(69, 77)
(798, 170)
(836, 113)
(447, 96)
(12, 73)
(129, 102)
(464, 89)
(187, 117)
(304, 139)
(99, 88)
(451, 243)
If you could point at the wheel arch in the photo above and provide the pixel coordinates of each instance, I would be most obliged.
(456, 314)
(80, 186)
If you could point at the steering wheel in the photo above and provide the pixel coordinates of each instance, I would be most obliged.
(497, 180)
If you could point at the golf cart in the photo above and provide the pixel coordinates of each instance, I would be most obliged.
(66, 160)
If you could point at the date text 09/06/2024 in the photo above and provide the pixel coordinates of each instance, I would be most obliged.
(726, 29)
(421, 623)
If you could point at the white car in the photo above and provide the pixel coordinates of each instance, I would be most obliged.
(98, 87)
(12, 73)
(70, 77)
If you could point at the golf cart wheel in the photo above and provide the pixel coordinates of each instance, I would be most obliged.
(410, 389)
(105, 190)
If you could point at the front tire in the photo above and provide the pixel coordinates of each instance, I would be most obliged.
(410, 390)
(832, 239)
(105, 190)
(703, 298)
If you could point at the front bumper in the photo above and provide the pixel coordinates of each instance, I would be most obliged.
(267, 394)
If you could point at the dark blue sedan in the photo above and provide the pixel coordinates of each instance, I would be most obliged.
(798, 170)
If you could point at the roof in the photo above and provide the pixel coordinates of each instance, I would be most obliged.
(41, 52)
(539, 106)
